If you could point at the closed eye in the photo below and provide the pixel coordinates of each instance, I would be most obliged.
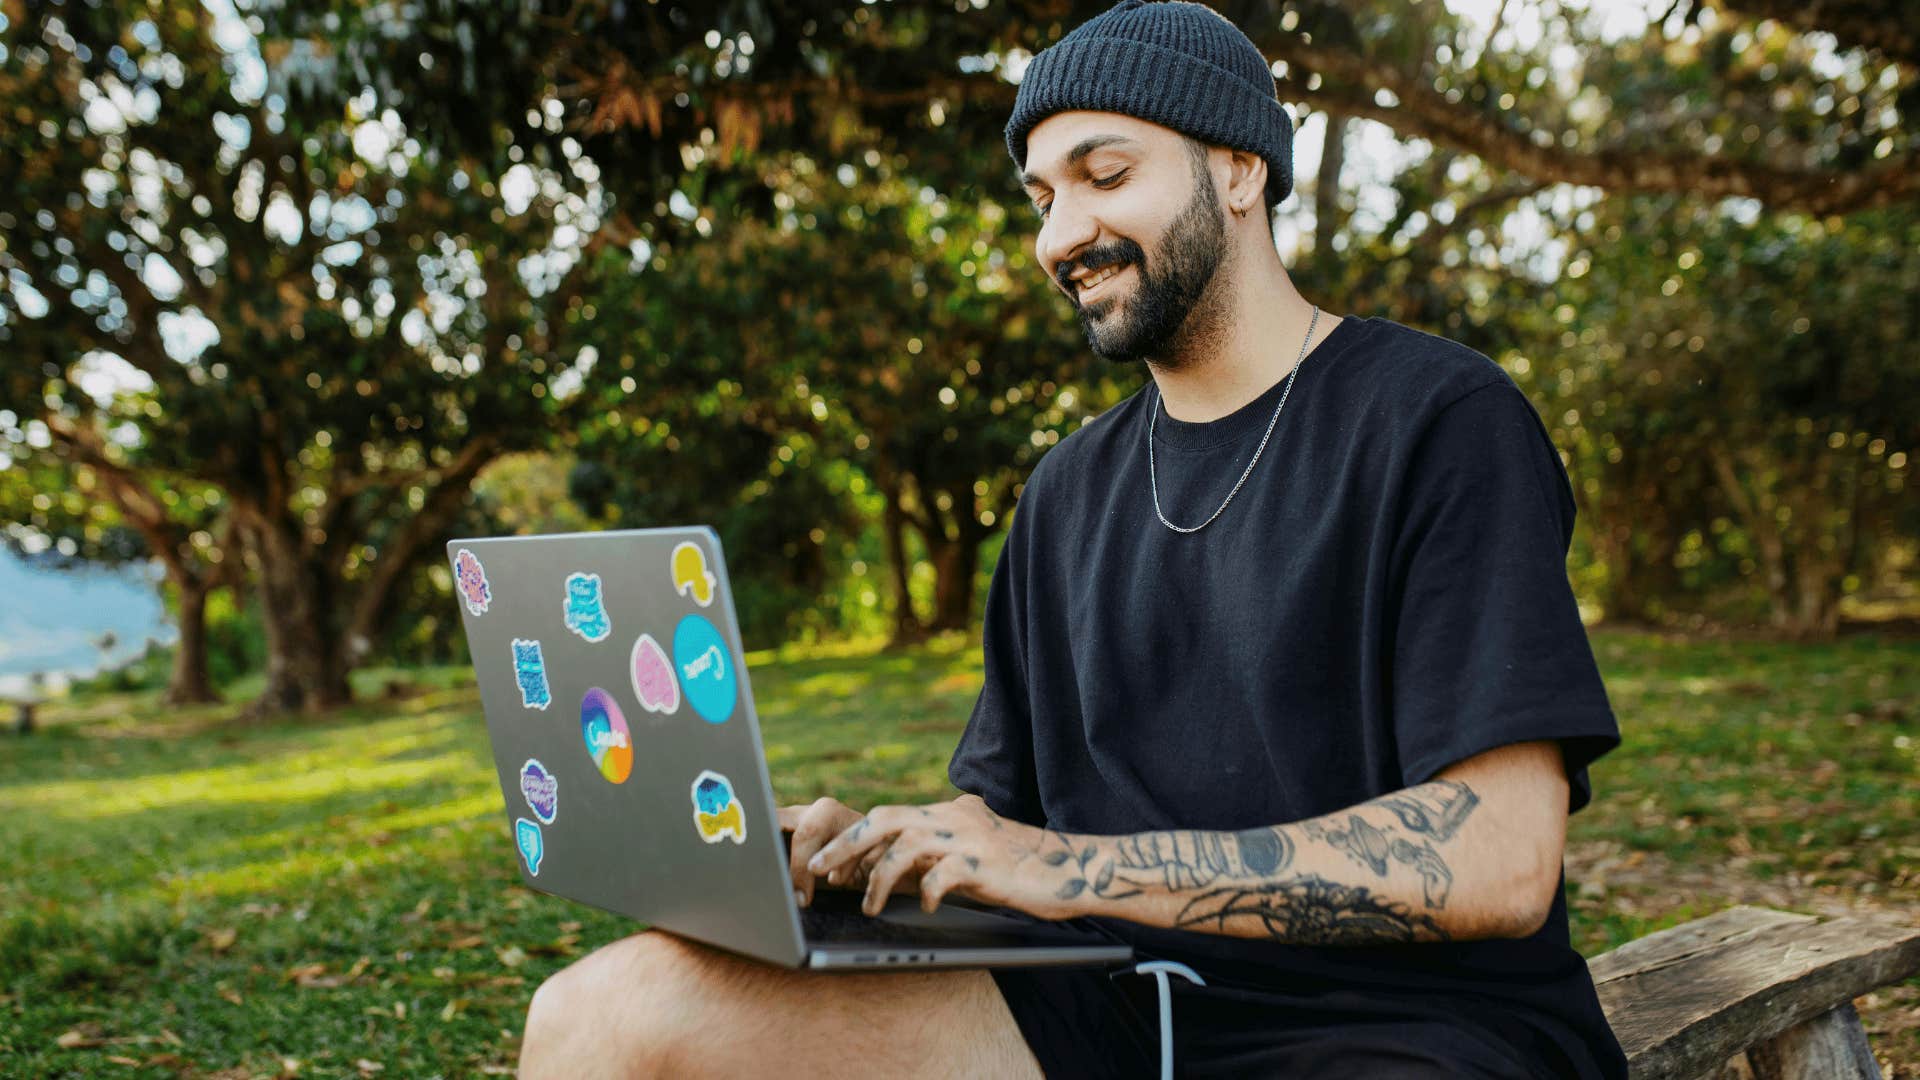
(1104, 182)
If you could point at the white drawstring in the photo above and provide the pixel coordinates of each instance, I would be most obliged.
(1160, 969)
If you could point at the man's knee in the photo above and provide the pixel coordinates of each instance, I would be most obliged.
(615, 1012)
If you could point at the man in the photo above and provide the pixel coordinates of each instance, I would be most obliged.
(1284, 678)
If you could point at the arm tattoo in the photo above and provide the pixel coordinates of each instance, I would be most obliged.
(1192, 859)
(1373, 849)
(1310, 910)
(1436, 809)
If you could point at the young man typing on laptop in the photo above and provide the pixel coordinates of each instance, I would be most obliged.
(1284, 678)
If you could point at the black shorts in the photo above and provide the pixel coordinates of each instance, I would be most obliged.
(1087, 1022)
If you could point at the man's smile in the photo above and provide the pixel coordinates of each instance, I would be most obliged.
(1099, 283)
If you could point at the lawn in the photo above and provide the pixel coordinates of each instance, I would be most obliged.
(192, 893)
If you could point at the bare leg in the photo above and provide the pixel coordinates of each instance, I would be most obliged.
(657, 1005)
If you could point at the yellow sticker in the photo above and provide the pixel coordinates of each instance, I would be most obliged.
(691, 578)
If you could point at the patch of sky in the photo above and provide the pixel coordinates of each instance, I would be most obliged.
(54, 620)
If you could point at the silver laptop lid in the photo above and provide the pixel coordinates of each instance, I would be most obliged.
(611, 674)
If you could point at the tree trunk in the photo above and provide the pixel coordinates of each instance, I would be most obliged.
(189, 684)
(907, 628)
(304, 668)
(1327, 214)
(954, 563)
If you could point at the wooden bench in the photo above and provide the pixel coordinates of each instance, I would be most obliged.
(1752, 992)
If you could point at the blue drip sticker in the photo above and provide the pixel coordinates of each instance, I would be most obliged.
(526, 835)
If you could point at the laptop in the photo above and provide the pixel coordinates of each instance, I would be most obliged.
(628, 749)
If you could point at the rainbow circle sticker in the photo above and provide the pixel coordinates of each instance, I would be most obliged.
(605, 730)
(705, 668)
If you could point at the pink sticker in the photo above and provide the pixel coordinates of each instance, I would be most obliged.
(470, 579)
(653, 681)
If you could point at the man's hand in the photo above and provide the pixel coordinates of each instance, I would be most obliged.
(811, 827)
(957, 846)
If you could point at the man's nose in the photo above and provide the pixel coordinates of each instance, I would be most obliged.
(1065, 236)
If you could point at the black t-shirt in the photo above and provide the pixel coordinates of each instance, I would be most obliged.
(1385, 596)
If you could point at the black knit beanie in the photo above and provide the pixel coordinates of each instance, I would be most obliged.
(1177, 64)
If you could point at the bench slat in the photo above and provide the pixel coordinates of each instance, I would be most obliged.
(1685, 1000)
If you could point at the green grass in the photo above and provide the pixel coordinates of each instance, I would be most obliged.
(189, 892)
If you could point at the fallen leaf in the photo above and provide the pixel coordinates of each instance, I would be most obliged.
(368, 1068)
(304, 972)
(221, 938)
(76, 1039)
(118, 1060)
(471, 941)
(232, 996)
(511, 956)
(170, 1038)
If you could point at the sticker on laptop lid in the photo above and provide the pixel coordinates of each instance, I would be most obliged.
(541, 789)
(691, 578)
(717, 812)
(701, 660)
(470, 579)
(526, 836)
(653, 681)
(530, 671)
(586, 607)
(605, 730)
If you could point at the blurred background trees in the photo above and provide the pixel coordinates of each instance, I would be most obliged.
(290, 294)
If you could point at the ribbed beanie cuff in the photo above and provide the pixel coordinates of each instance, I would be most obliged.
(1181, 65)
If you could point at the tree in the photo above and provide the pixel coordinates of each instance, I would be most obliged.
(341, 324)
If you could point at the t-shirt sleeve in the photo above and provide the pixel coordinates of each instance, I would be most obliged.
(995, 757)
(1488, 647)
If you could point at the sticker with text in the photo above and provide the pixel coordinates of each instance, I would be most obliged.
(587, 608)
(691, 578)
(530, 671)
(653, 681)
(526, 836)
(605, 729)
(701, 660)
(716, 812)
(541, 789)
(470, 579)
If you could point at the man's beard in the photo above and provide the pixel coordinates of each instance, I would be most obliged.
(1165, 295)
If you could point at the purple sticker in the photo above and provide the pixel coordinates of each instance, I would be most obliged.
(470, 579)
(541, 789)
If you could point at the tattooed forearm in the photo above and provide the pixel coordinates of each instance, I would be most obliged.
(1309, 910)
(1286, 882)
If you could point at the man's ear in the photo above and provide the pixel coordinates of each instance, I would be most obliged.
(1246, 181)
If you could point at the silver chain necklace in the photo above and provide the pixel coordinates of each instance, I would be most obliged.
(1154, 481)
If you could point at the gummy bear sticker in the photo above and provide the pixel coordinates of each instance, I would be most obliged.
(706, 670)
(717, 814)
(541, 790)
(605, 730)
(691, 578)
(586, 608)
(526, 836)
(530, 671)
(653, 681)
(470, 581)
